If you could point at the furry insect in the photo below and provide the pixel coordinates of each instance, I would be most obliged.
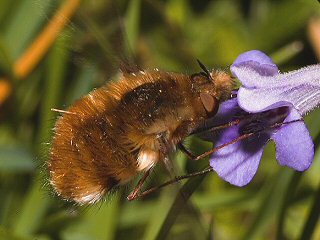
(126, 127)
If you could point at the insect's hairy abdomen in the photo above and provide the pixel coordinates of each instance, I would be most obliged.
(86, 158)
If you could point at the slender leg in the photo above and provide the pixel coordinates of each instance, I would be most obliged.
(205, 171)
(205, 154)
(188, 153)
(176, 179)
(137, 189)
(135, 193)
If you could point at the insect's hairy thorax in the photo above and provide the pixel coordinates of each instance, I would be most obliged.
(152, 111)
(165, 103)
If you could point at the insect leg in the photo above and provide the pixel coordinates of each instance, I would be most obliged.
(182, 131)
(172, 181)
(135, 193)
(178, 178)
(209, 169)
(187, 152)
(136, 190)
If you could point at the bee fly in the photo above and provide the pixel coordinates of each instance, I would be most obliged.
(123, 128)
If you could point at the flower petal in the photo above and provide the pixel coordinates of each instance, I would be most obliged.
(253, 55)
(259, 100)
(301, 88)
(294, 146)
(256, 60)
(237, 163)
(227, 111)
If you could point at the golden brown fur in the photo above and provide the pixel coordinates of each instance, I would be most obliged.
(124, 127)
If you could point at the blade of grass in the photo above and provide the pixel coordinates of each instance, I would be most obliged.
(172, 204)
(57, 67)
(177, 11)
(98, 222)
(33, 210)
(83, 84)
(136, 214)
(154, 226)
(269, 205)
(101, 38)
(23, 25)
(16, 159)
(266, 25)
(27, 97)
(7, 235)
(167, 218)
(314, 130)
(42, 43)
(287, 52)
(5, 7)
(289, 194)
(5, 61)
(36, 201)
(132, 25)
(224, 199)
(313, 218)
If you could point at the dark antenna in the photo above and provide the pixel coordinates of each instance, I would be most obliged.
(204, 68)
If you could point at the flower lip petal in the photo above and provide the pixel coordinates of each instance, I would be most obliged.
(294, 146)
(237, 163)
(257, 61)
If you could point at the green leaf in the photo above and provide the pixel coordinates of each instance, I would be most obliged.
(56, 71)
(177, 11)
(132, 24)
(313, 218)
(287, 200)
(270, 205)
(271, 22)
(7, 235)
(164, 220)
(16, 159)
(21, 28)
(33, 210)
(99, 222)
(82, 85)
(5, 61)
(37, 201)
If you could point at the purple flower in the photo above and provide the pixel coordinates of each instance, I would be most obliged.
(266, 101)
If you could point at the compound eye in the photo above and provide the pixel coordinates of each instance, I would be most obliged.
(210, 104)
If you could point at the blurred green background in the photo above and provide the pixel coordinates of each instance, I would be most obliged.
(170, 35)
